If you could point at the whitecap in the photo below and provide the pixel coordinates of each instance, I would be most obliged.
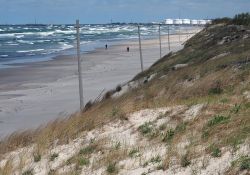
(19, 36)
(13, 44)
(65, 31)
(45, 33)
(42, 41)
(7, 35)
(66, 46)
(27, 51)
(25, 42)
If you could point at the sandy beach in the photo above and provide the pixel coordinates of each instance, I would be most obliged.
(36, 93)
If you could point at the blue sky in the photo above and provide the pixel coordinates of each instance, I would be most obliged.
(102, 11)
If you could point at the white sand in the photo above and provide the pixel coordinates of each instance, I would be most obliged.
(132, 138)
(41, 92)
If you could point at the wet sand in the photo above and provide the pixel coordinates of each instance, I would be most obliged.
(37, 93)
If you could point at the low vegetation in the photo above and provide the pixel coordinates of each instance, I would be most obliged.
(53, 156)
(239, 19)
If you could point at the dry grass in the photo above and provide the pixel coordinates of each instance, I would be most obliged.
(7, 169)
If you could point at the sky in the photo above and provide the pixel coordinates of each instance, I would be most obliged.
(103, 11)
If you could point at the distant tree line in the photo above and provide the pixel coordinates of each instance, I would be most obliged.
(239, 19)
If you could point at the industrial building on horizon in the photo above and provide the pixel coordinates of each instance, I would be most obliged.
(187, 22)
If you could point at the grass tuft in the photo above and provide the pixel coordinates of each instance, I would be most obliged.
(111, 168)
(133, 152)
(83, 161)
(168, 136)
(87, 150)
(53, 156)
(245, 163)
(28, 172)
(215, 151)
(37, 157)
(219, 119)
(185, 161)
(146, 128)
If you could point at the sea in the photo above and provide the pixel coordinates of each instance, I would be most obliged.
(32, 43)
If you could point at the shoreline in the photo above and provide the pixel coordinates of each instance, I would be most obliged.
(28, 94)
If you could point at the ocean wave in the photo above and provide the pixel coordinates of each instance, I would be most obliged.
(7, 35)
(85, 42)
(25, 42)
(27, 51)
(67, 32)
(23, 34)
(19, 36)
(42, 41)
(3, 56)
(65, 46)
(49, 33)
(12, 44)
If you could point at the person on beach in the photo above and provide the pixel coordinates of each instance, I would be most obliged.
(127, 49)
(106, 46)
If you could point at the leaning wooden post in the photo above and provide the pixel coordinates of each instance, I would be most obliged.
(139, 36)
(168, 39)
(160, 39)
(179, 33)
(79, 65)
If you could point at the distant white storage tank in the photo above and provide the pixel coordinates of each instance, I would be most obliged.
(209, 21)
(186, 21)
(202, 22)
(169, 21)
(194, 22)
(178, 21)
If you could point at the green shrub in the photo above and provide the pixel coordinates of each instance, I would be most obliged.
(215, 151)
(224, 100)
(155, 159)
(205, 134)
(28, 172)
(83, 161)
(216, 88)
(168, 136)
(145, 164)
(215, 91)
(242, 19)
(185, 161)
(146, 128)
(236, 109)
(222, 21)
(52, 172)
(133, 152)
(87, 150)
(111, 168)
(160, 167)
(181, 127)
(239, 19)
(245, 163)
(53, 156)
(117, 112)
(118, 145)
(118, 88)
(162, 127)
(217, 120)
(37, 157)
(247, 105)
